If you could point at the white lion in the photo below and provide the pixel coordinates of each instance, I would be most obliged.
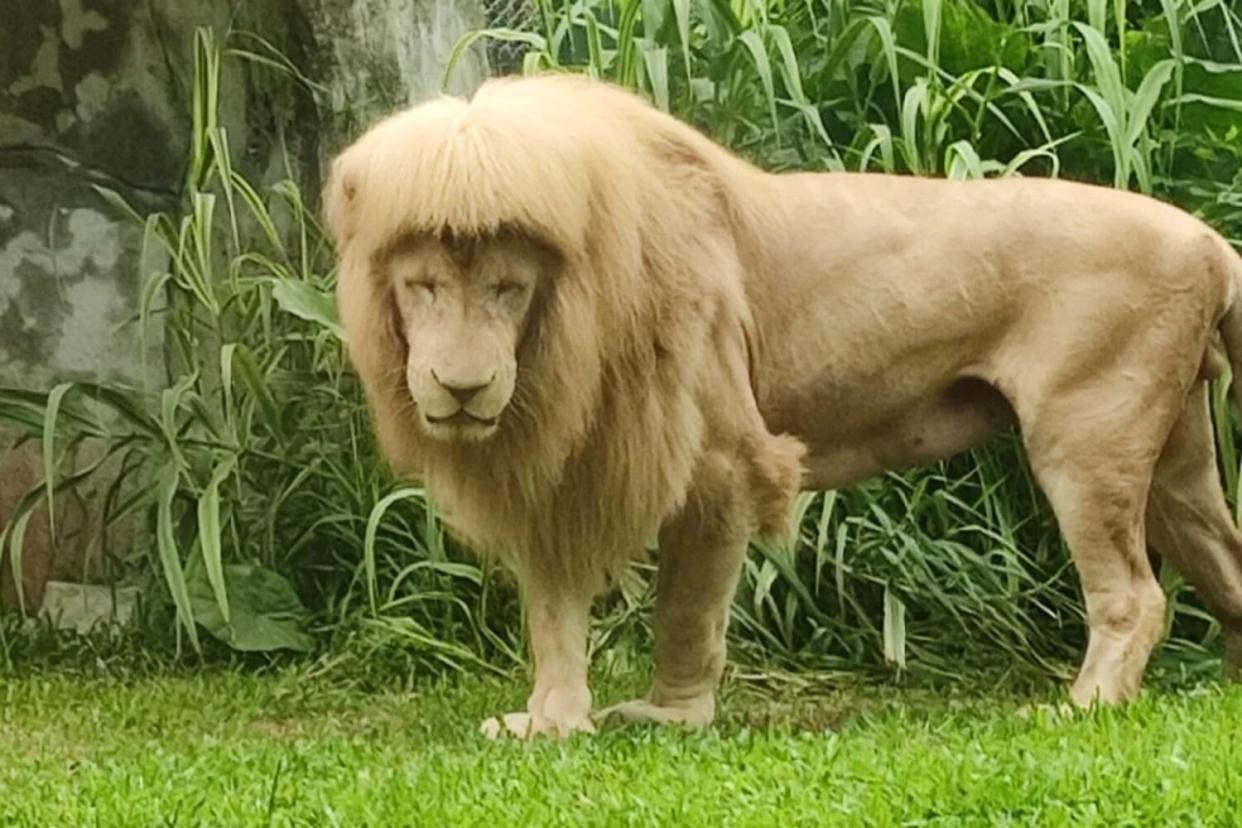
(581, 322)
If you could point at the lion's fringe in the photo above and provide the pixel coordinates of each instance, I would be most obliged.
(647, 216)
(535, 153)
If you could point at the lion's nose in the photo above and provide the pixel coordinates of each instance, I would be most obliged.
(463, 392)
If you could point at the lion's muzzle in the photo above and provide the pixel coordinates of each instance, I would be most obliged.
(457, 406)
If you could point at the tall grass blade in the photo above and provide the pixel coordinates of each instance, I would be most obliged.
(763, 67)
(170, 559)
(15, 531)
(1145, 99)
(52, 412)
(209, 535)
(894, 629)
(369, 542)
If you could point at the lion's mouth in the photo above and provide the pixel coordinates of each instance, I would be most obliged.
(463, 418)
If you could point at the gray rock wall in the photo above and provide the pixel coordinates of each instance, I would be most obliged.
(90, 94)
(96, 92)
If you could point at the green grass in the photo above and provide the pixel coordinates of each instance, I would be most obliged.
(225, 748)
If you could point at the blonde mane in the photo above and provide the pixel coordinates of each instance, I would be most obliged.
(606, 425)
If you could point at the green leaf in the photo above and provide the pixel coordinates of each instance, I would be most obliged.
(681, 11)
(368, 549)
(655, 60)
(789, 62)
(255, 380)
(627, 44)
(916, 102)
(653, 16)
(258, 209)
(305, 301)
(118, 203)
(209, 535)
(889, 46)
(1146, 97)
(1113, 125)
(931, 25)
(219, 141)
(535, 42)
(1107, 75)
(595, 46)
(1207, 100)
(166, 543)
(126, 402)
(963, 161)
(1097, 14)
(894, 629)
(266, 613)
(170, 401)
(759, 54)
(839, 49)
(16, 534)
(49, 450)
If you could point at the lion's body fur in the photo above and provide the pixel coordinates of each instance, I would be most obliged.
(702, 306)
(1026, 285)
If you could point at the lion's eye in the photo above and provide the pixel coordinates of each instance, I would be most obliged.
(508, 290)
(423, 286)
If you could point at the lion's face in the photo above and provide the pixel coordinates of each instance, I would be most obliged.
(463, 307)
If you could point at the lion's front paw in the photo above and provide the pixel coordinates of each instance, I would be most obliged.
(508, 724)
(528, 726)
(694, 713)
(557, 711)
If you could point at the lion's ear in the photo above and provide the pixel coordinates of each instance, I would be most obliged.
(339, 197)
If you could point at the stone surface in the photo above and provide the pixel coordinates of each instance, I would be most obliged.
(87, 607)
(91, 94)
(384, 53)
(69, 280)
(102, 84)
(44, 557)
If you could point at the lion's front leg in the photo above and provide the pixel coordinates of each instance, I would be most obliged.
(560, 703)
(701, 554)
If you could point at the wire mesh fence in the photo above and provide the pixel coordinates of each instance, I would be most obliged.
(506, 57)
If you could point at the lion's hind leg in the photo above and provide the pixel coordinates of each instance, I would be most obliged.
(1188, 522)
(1093, 452)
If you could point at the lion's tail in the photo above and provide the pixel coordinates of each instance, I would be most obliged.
(1231, 323)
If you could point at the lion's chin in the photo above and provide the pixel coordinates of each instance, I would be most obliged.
(460, 428)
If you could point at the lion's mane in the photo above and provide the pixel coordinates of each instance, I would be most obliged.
(619, 388)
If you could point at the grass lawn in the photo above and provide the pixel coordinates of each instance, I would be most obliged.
(224, 748)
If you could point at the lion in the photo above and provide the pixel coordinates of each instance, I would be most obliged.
(583, 324)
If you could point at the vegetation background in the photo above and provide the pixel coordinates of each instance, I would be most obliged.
(271, 524)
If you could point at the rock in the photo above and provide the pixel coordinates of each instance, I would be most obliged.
(44, 557)
(84, 608)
